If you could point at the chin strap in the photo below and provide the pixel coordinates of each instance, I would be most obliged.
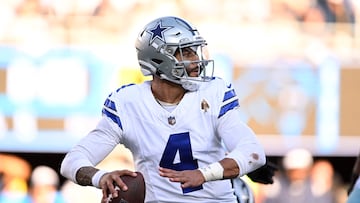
(190, 85)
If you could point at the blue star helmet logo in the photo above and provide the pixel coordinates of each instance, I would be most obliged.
(158, 32)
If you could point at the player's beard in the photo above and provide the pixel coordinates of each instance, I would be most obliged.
(193, 72)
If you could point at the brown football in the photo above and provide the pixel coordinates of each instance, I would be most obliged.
(135, 192)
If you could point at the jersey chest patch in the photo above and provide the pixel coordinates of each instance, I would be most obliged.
(171, 120)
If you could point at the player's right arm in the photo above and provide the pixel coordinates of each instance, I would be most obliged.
(91, 149)
(79, 164)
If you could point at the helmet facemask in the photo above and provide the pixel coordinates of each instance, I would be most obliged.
(192, 65)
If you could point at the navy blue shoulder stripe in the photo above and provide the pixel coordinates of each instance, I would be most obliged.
(229, 94)
(123, 86)
(110, 104)
(113, 117)
(228, 107)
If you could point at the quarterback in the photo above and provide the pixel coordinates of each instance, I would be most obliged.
(183, 127)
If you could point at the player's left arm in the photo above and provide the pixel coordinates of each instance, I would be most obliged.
(226, 169)
(245, 155)
(245, 152)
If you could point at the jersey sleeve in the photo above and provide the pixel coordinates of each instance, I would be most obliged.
(238, 138)
(86, 152)
(229, 102)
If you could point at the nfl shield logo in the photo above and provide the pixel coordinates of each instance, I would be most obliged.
(171, 120)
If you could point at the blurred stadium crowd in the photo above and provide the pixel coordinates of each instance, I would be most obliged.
(244, 30)
(25, 182)
(267, 29)
(260, 27)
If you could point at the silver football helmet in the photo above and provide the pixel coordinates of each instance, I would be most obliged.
(157, 45)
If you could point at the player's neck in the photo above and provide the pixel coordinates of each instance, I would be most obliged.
(167, 106)
(167, 92)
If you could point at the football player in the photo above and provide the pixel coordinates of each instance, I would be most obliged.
(174, 125)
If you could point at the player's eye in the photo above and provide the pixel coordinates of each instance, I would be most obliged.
(188, 53)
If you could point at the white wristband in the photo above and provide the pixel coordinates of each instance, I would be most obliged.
(214, 171)
(95, 180)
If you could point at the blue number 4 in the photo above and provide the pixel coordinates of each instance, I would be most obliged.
(180, 143)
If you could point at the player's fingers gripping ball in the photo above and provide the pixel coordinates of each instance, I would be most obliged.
(135, 192)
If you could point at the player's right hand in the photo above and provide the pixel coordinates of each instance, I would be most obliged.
(109, 180)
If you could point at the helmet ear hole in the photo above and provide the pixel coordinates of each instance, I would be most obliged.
(178, 72)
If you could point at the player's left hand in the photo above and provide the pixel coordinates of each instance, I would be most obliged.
(187, 178)
(264, 174)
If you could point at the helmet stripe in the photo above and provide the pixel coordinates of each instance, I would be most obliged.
(189, 27)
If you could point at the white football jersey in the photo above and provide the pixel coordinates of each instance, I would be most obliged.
(193, 135)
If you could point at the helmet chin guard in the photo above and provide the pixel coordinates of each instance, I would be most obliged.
(191, 85)
(157, 44)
